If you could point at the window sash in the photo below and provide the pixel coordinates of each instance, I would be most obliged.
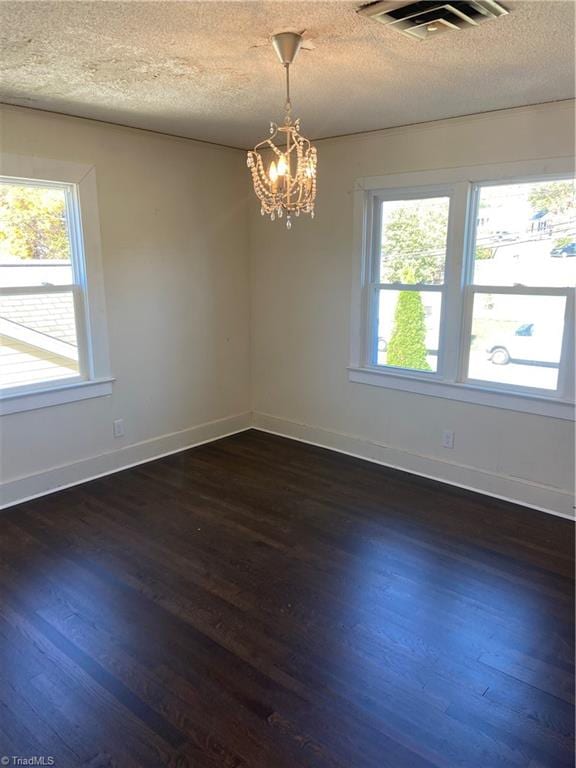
(77, 288)
(26, 290)
(374, 287)
(565, 384)
(564, 389)
(408, 286)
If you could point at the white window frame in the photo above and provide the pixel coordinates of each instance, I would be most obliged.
(450, 380)
(94, 379)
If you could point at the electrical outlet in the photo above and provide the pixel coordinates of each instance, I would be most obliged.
(448, 438)
(118, 427)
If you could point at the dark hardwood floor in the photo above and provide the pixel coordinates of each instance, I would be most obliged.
(260, 603)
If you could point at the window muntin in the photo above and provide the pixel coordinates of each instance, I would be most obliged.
(42, 301)
(533, 281)
(409, 268)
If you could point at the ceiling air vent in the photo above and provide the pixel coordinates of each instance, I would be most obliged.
(422, 20)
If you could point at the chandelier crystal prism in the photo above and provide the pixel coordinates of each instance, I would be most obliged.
(288, 186)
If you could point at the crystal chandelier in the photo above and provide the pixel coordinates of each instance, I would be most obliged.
(289, 184)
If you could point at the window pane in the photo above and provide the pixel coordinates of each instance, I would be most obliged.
(517, 339)
(409, 329)
(34, 240)
(526, 234)
(414, 234)
(37, 338)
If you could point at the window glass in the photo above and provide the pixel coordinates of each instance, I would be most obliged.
(37, 338)
(517, 339)
(409, 329)
(526, 234)
(413, 240)
(34, 237)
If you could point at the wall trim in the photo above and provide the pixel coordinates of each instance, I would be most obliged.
(5, 105)
(61, 393)
(539, 106)
(543, 498)
(424, 125)
(58, 478)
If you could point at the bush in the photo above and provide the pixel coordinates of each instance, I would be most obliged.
(483, 253)
(407, 347)
(562, 241)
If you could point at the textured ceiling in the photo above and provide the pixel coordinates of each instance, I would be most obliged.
(206, 69)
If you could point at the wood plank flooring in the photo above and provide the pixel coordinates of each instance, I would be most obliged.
(260, 603)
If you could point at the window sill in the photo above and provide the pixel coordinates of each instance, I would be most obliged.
(16, 402)
(467, 393)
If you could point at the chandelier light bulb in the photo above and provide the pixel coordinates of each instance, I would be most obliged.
(282, 166)
(290, 183)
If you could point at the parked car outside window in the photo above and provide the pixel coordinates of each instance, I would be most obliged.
(528, 344)
(568, 249)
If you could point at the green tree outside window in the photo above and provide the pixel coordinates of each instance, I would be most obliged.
(33, 223)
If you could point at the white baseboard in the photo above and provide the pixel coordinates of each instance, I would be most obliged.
(57, 478)
(541, 497)
(537, 496)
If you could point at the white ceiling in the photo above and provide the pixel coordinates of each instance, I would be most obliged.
(206, 69)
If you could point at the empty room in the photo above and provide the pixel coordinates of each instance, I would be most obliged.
(287, 362)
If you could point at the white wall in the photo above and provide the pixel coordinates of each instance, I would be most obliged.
(174, 224)
(301, 282)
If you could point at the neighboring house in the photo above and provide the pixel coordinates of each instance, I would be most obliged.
(540, 221)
